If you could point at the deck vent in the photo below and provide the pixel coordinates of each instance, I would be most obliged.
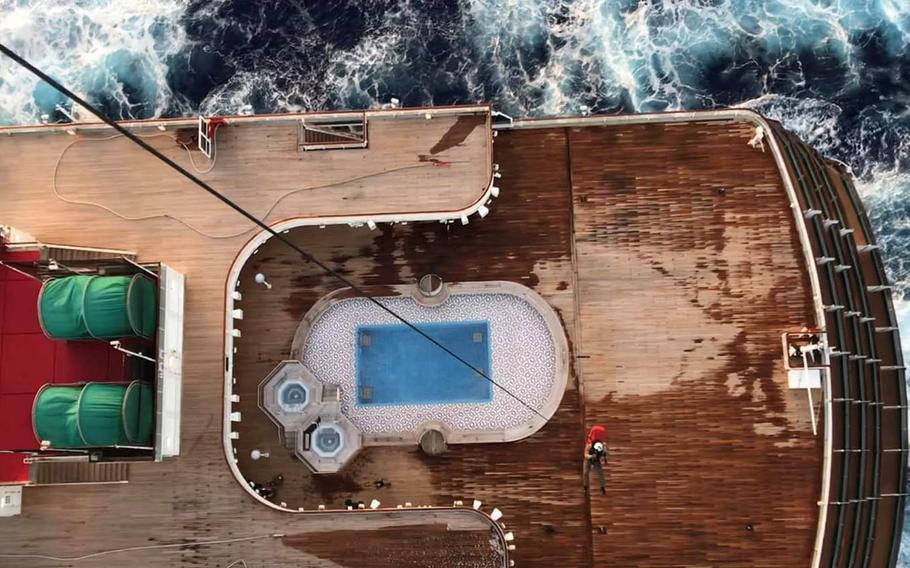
(332, 132)
(430, 285)
(433, 443)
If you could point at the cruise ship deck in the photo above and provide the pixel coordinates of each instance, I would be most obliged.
(675, 255)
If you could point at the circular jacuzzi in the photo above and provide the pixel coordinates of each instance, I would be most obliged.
(293, 396)
(328, 440)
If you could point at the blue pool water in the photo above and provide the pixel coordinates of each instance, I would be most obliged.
(395, 365)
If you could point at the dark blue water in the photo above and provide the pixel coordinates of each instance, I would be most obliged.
(835, 71)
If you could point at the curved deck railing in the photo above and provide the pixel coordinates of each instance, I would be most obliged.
(894, 422)
(870, 407)
(838, 395)
(866, 367)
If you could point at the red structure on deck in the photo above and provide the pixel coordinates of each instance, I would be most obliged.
(28, 360)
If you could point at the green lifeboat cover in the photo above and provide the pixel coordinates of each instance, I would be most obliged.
(101, 415)
(99, 307)
(105, 309)
(137, 413)
(54, 416)
(142, 307)
(94, 415)
(60, 307)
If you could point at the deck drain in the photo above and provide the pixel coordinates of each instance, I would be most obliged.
(433, 443)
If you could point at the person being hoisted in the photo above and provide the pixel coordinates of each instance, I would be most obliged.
(595, 456)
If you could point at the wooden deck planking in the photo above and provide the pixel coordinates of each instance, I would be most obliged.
(400, 547)
(671, 501)
(688, 271)
(526, 239)
(195, 496)
(405, 169)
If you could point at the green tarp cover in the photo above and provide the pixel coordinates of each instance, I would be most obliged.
(137, 413)
(100, 307)
(104, 307)
(142, 306)
(101, 415)
(54, 416)
(60, 307)
(94, 415)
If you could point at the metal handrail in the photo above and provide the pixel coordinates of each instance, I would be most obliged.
(838, 336)
(898, 359)
(871, 350)
(813, 167)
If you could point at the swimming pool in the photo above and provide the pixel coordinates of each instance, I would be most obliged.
(396, 365)
(504, 328)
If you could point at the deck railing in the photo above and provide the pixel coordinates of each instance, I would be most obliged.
(837, 397)
(869, 407)
(897, 413)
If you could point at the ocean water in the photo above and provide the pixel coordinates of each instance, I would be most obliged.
(835, 71)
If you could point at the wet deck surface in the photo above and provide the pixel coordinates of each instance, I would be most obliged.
(401, 547)
(682, 293)
(525, 239)
(675, 300)
(688, 271)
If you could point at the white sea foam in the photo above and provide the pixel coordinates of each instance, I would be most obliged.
(650, 55)
(814, 120)
(531, 57)
(346, 78)
(99, 46)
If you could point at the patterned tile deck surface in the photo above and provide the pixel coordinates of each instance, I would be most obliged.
(522, 355)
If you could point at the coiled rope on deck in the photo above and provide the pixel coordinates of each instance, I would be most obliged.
(187, 224)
